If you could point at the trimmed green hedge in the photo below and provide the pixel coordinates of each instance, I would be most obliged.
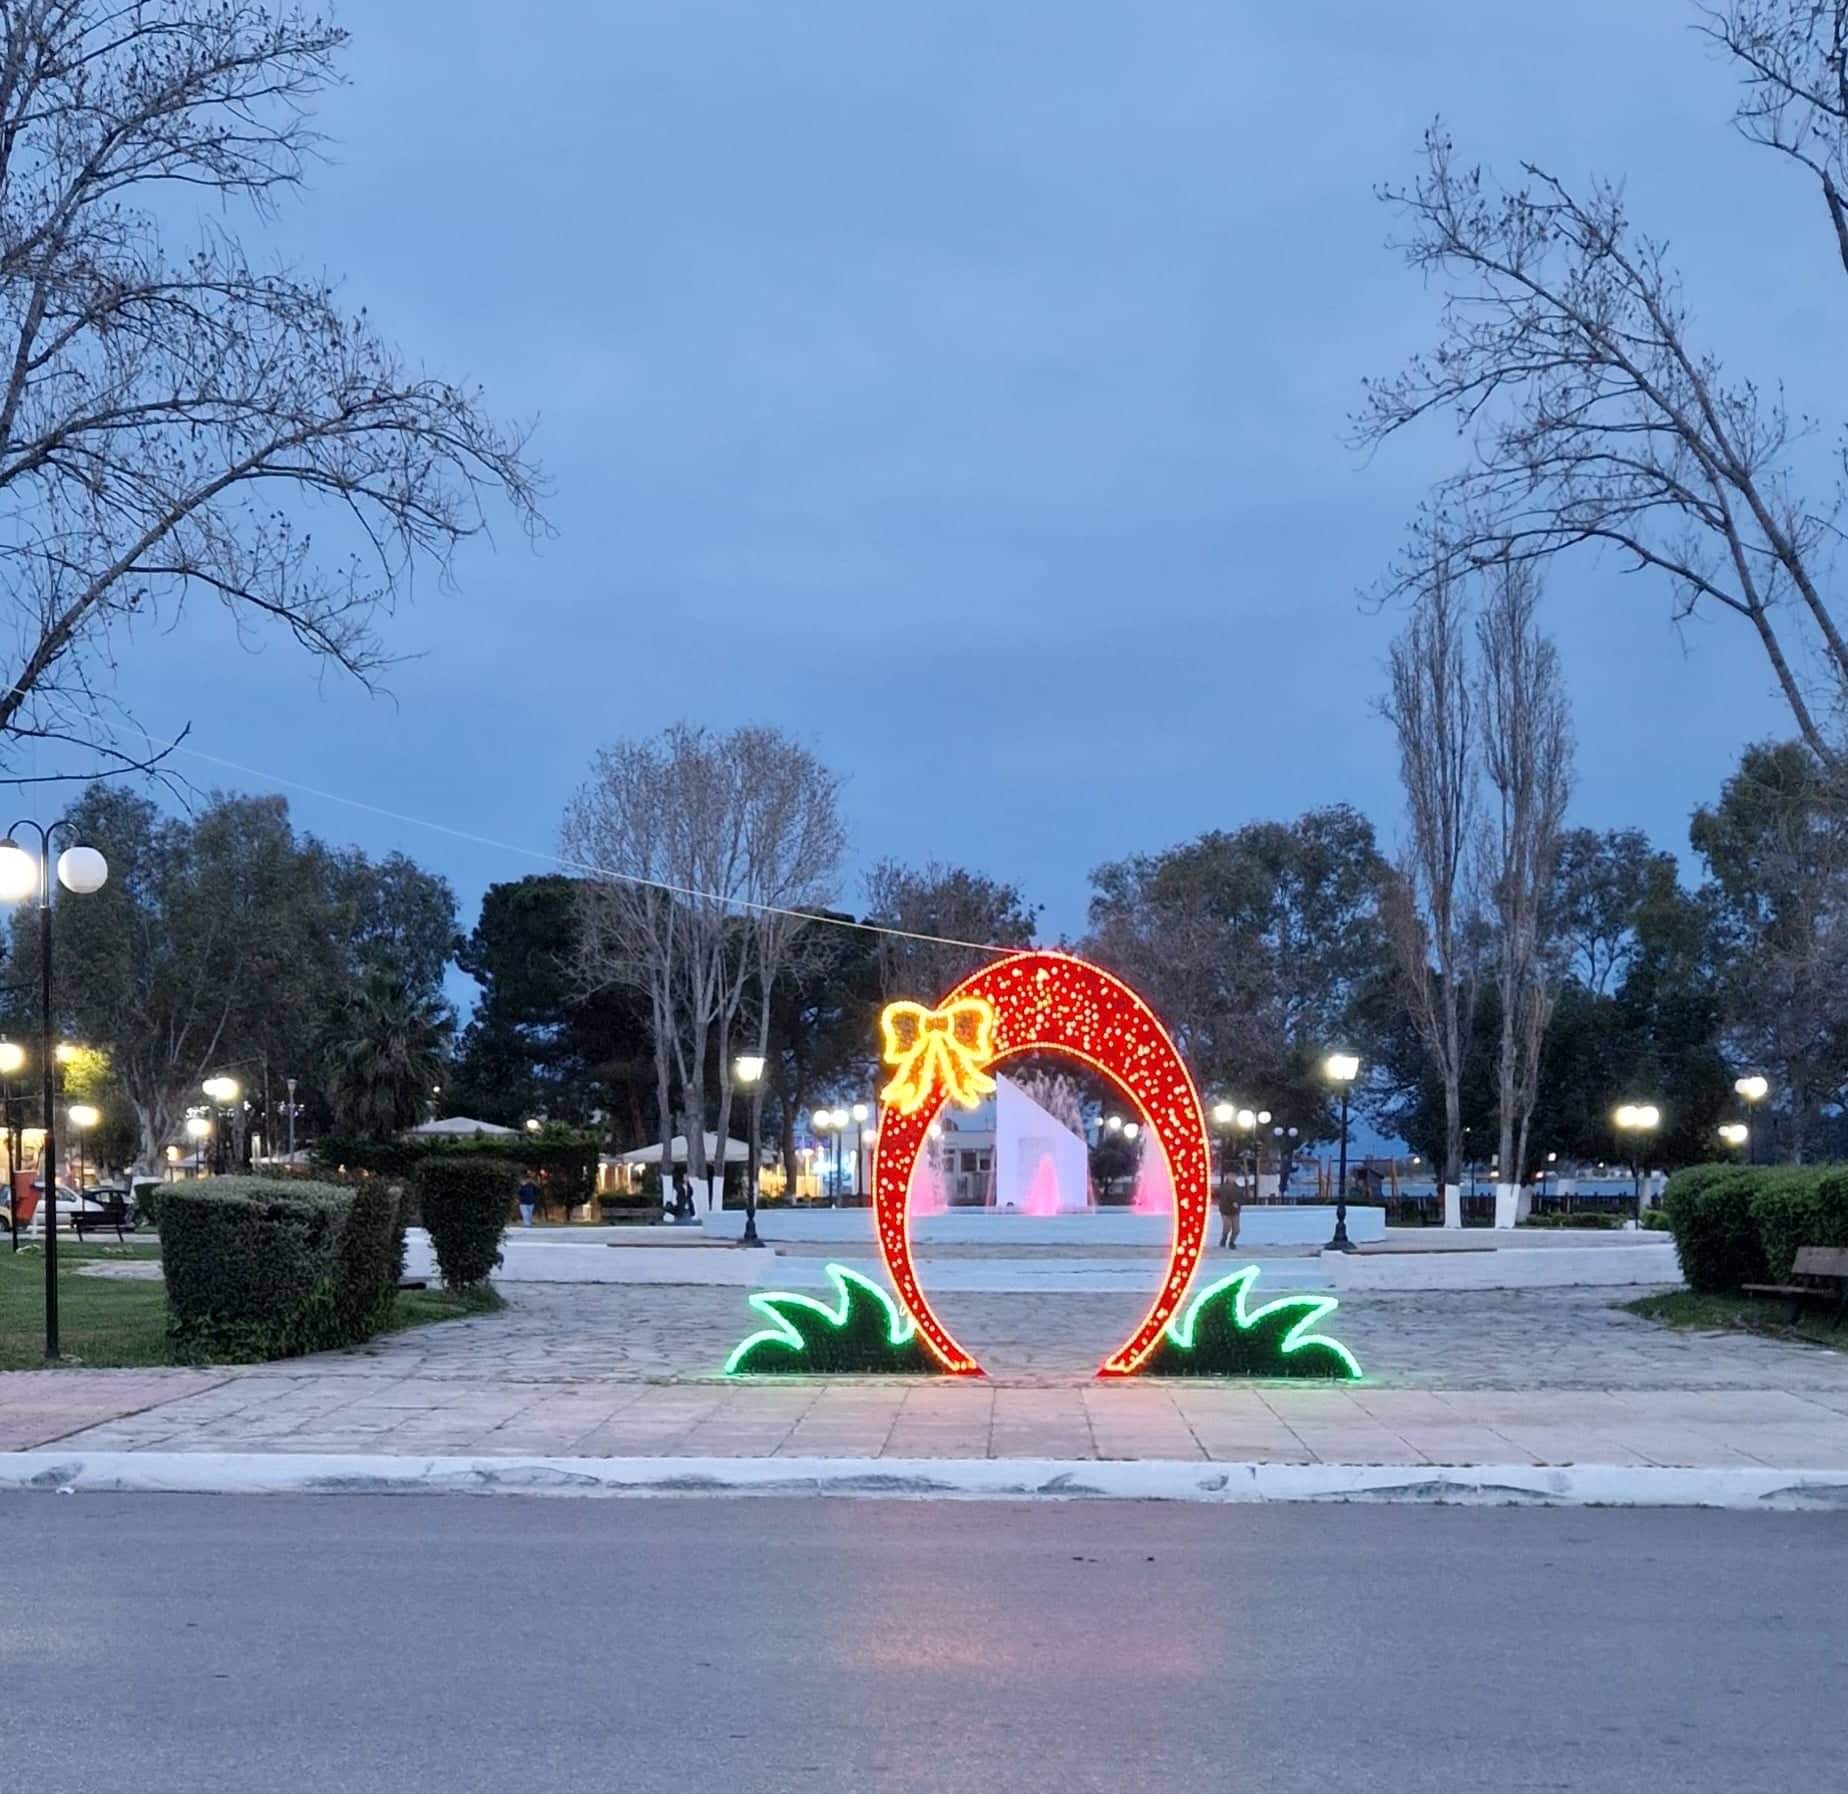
(465, 1200)
(268, 1268)
(1737, 1224)
(567, 1159)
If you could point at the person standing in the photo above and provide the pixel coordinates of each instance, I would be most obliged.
(1228, 1212)
(529, 1199)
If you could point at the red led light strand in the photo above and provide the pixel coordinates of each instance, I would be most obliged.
(1053, 1003)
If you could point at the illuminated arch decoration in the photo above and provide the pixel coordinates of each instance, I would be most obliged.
(864, 1335)
(1220, 1335)
(1036, 1003)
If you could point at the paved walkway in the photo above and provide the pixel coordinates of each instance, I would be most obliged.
(1537, 1377)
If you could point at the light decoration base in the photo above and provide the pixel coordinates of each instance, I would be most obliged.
(1221, 1335)
(863, 1335)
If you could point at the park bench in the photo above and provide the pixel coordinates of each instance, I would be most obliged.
(1820, 1274)
(111, 1215)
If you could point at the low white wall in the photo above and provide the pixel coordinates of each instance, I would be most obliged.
(1287, 1224)
(1510, 1268)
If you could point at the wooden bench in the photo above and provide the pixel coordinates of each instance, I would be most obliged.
(1820, 1274)
(112, 1215)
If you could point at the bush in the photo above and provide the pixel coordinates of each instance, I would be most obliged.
(1709, 1209)
(1799, 1207)
(466, 1200)
(265, 1268)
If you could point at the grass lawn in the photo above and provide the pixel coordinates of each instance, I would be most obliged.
(108, 1322)
(1747, 1314)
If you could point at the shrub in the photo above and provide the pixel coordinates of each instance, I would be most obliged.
(267, 1268)
(1799, 1207)
(465, 1200)
(1709, 1209)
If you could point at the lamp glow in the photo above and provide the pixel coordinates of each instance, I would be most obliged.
(19, 873)
(1753, 1088)
(83, 1115)
(1343, 1068)
(12, 1058)
(748, 1067)
(82, 870)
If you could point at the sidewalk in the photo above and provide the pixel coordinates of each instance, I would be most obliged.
(273, 1410)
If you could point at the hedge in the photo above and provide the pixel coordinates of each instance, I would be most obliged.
(267, 1268)
(465, 1200)
(568, 1161)
(1736, 1224)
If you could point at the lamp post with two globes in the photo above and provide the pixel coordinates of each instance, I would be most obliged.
(1752, 1090)
(82, 871)
(1636, 1122)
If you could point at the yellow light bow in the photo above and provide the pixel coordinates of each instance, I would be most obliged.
(927, 1047)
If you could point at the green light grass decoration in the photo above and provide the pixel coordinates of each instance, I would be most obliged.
(1219, 1336)
(864, 1336)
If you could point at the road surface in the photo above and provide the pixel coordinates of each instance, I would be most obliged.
(168, 1644)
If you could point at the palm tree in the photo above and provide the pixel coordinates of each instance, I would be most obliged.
(385, 1054)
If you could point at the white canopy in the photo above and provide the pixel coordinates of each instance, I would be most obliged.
(455, 1124)
(736, 1152)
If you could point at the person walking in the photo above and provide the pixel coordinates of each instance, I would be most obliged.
(1228, 1213)
(529, 1199)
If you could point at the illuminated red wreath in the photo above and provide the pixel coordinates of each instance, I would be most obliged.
(1035, 1003)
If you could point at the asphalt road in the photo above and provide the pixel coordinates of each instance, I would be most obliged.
(168, 1644)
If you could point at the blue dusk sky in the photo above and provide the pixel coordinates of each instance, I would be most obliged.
(962, 387)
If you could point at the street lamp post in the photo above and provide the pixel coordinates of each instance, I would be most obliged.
(1225, 1118)
(860, 1113)
(223, 1094)
(82, 871)
(82, 1117)
(291, 1084)
(1635, 1123)
(198, 1131)
(748, 1069)
(12, 1062)
(1343, 1068)
(1752, 1090)
(820, 1121)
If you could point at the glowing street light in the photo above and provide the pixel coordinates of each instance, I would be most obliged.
(1638, 1121)
(1342, 1069)
(1735, 1133)
(748, 1069)
(83, 872)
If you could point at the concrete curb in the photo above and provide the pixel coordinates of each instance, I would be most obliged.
(1002, 1479)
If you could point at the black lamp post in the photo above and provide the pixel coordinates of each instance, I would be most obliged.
(1343, 1068)
(748, 1069)
(81, 870)
(860, 1113)
(12, 1061)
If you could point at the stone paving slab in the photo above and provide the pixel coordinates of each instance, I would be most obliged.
(39, 1406)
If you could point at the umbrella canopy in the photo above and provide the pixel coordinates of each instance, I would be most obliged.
(455, 1124)
(736, 1152)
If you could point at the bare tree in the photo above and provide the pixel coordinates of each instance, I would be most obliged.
(1527, 755)
(174, 419)
(793, 842)
(620, 831)
(1426, 906)
(1566, 356)
(1793, 59)
(693, 847)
